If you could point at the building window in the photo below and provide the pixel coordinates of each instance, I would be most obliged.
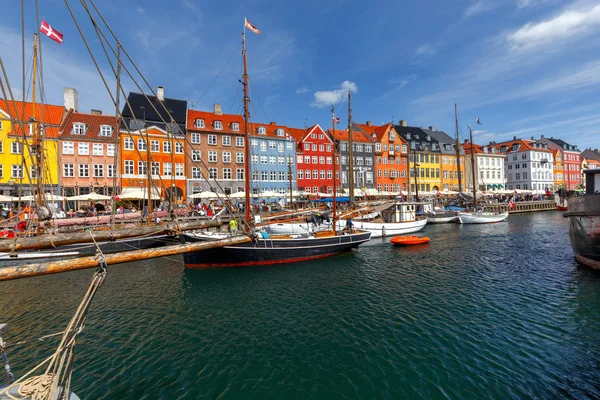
(213, 173)
(227, 173)
(272, 160)
(239, 174)
(83, 149)
(106, 130)
(218, 125)
(235, 126)
(128, 167)
(155, 146)
(280, 147)
(110, 170)
(226, 140)
(167, 169)
(300, 174)
(239, 141)
(195, 138)
(263, 145)
(239, 158)
(199, 123)
(178, 148)
(179, 169)
(263, 159)
(212, 156)
(212, 140)
(195, 155)
(97, 149)
(261, 130)
(226, 157)
(78, 129)
(166, 147)
(315, 174)
(128, 143)
(16, 171)
(141, 167)
(99, 170)
(307, 174)
(279, 132)
(110, 149)
(196, 173)
(84, 171)
(155, 168)
(141, 144)
(68, 148)
(315, 159)
(68, 170)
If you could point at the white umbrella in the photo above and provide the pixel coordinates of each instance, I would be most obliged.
(90, 196)
(205, 195)
(269, 193)
(5, 198)
(321, 194)
(295, 193)
(242, 195)
(132, 193)
(372, 192)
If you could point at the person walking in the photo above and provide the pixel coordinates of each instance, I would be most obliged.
(233, 227)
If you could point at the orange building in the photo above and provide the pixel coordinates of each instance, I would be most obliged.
(163, 152)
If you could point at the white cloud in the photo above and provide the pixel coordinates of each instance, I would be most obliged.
(328, 97)
(569, 23)
(426, 49)
(302, 90)
(480, 6)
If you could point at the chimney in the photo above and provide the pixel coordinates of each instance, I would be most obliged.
(403, 122)
(160, 93)
(272, 123)
(96, 112)
(70, 98)
(217, 109)
(514, 138)
(432, 128)
(466, 141)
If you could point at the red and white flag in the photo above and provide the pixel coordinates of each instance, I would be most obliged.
(336, 120)
(53, 34)
(251, 27)
(511, 204)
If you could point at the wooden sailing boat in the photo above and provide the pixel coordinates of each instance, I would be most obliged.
(266, 250)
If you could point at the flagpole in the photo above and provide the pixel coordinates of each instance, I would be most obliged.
(334, 164)
(246, 128)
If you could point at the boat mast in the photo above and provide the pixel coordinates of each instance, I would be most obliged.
(246, 129)
(350, 156)
(35, 129)
(415, 165)
(474, 175)
(457, 149)
(334, 154)
(116, 174)
(291, 185)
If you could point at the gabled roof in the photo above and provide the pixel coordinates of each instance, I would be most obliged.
(562, 144)
(422, 139)
(177, 108)
(209, 118)
(523, 145)
(477, 149)
(590, 154)
(447, 143)
(19, 111)
(298, 133)
(93, 122)
(357, 136)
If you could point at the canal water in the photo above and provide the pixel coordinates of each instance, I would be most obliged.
(484, 311)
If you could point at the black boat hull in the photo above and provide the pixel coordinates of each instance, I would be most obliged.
(584, 229)
(272, 251)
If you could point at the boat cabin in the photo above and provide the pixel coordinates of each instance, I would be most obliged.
(592, 181)
(400, 212)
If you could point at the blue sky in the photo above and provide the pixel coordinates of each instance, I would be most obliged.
(525, 67)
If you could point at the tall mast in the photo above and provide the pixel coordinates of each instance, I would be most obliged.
(473, 169)
(246, 130)
(291, 185)
(457, 149)
(334, 154)
(350, 155)
(37, 140)
(415, 165)
(116, 174)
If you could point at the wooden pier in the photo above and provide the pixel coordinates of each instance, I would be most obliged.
(522, 206)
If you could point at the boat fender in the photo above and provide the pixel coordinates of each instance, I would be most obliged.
(43, 213)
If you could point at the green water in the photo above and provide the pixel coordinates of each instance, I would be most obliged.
(491, 311)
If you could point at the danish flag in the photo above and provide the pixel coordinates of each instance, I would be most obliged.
(251, 27)
(53, 34)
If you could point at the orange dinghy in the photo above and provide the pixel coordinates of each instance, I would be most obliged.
(409, 240)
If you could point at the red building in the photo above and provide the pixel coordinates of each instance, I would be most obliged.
(314, 159)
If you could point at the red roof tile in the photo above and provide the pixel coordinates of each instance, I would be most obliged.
(19, 111)
(357, 136)
(93, 122)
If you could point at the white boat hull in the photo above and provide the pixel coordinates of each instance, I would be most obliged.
(381, 229)
(481, 218)
(296, 228)
(441, 220)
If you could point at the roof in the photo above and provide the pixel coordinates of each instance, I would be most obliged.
(559, 142)
(423, 140)
(209, 118)
(445, 140)
(477, 149)
(523, 145)
(19, 111)
(357, 136)
(143, 110)
(298, 133)
(93, 122)
(590, 154)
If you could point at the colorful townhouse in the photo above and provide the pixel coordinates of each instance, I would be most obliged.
(18, 161)
(529, 164)
(391, 158)
(88, 144)
(314, 160)
(273, 158)
(424, 158)
(153, 135)
(559, 177)
(489, 167)
(451, 167)
(216, 149)
(571, 158)
(363, 158)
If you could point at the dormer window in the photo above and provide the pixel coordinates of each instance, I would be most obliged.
(428, 138)
(279, 132)
(235, 126)
(79, 128)
(515, 147)
(198, 123)
(218, 125)
(408, 135)
(392, 136)
(261, 130)
(106, 130)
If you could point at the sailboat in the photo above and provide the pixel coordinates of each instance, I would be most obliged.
(478, 217)
(265, 249)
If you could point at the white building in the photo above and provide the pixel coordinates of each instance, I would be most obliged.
(489, 167)
(529, 164)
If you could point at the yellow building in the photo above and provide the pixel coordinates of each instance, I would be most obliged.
(18, 161)
(559, 177)
(428, 171)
